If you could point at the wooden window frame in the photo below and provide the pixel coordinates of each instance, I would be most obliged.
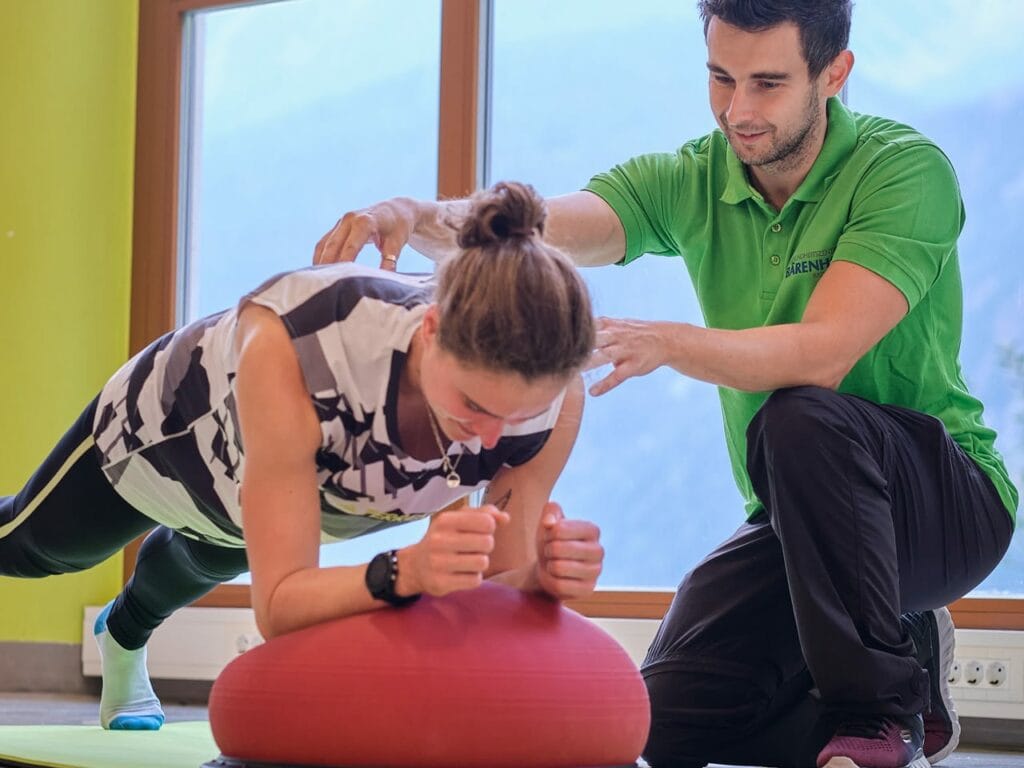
(460, 158)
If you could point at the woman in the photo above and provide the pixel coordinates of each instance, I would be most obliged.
(330, 403)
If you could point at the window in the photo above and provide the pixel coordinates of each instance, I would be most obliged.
(596, 83)
(290, 127)
(970, 101)
(299, 113)
(630, 79)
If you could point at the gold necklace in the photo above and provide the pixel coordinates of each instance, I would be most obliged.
(451, 476)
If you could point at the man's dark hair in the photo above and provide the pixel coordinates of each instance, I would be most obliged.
(824, 24)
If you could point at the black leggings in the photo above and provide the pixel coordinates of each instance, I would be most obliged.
(871, 511)
(68, 518)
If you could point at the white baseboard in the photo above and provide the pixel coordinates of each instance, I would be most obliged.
(988, 677)
(196, 644)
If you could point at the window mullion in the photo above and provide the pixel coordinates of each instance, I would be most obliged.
(461, 135)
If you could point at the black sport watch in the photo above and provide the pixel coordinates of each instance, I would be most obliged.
(381, 575)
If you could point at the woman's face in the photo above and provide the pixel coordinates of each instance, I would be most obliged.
(470, 401)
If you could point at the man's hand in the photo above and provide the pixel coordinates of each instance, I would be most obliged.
(388, 225)
(453, 554)
(569, 554)
(634, 347)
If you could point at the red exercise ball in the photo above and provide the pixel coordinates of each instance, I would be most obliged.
(486, 678)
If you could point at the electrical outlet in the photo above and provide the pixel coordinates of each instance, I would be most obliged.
(247, 641)
(974, 672)
(997, 673)
(955, 673)
(980, 672)
(987, 676)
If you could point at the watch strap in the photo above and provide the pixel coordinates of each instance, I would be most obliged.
(382, 587)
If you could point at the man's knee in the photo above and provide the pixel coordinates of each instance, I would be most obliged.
(674, 741)
(661, 751)
(694, 706)
(790, 431)
(789, 415)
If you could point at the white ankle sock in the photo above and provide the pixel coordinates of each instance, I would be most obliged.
(127, 701)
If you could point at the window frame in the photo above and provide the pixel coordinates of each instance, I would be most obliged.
(461, 159)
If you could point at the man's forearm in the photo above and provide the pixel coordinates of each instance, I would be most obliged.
(755, 359)
(582, 225)
(436, 224)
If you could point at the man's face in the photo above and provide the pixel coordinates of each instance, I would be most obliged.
(762, 96)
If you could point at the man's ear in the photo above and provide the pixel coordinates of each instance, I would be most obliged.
(836, 73)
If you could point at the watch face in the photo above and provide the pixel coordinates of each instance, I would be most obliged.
(380, 580)
(378, 576)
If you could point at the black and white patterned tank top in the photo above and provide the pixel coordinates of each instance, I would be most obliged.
(167, 432)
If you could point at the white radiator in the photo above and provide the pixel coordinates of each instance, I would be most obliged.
(196, 644)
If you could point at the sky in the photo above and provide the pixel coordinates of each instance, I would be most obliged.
(908, 45)
(303, 49)
(312, 107)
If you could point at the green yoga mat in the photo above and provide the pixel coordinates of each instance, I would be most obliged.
(176, 745)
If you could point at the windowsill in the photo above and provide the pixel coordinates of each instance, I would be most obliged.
(968, 613)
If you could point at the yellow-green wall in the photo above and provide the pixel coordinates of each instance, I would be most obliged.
(67, 77)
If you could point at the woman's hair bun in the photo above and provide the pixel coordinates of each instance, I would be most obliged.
(509, 210)
(508, 301)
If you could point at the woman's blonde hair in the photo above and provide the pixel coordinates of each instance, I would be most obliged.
(509, 301)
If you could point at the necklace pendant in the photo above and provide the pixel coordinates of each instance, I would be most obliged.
(453, 479)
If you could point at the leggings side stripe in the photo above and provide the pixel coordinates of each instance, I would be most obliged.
(22, 516)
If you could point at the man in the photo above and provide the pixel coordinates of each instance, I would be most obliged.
(822, 245)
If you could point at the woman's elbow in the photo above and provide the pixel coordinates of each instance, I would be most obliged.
(264, 625)
(269, 626)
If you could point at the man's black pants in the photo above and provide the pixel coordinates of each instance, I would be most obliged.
(870, 511)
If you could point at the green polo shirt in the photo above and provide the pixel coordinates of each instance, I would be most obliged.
(879, 195)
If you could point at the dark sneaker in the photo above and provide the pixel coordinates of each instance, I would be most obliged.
(934, 635)
(879, 741)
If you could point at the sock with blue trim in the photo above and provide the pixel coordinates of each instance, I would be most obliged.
(127, 702)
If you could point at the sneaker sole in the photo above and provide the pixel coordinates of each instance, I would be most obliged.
(947, 643)
(845, 762)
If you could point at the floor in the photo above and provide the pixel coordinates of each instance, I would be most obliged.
(48, 709)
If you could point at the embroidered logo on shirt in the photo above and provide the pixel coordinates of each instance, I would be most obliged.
(813, 262)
